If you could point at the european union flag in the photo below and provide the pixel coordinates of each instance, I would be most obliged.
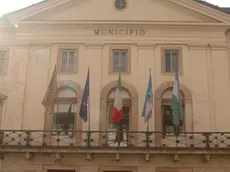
(84, 102)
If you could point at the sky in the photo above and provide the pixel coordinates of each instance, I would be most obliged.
(12, 5)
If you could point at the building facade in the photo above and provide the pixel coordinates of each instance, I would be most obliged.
(111, 36)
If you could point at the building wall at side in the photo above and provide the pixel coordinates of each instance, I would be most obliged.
(42, 163)
(32, 58)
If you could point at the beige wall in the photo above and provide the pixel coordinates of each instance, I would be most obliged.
(205, 67)
(34, 50)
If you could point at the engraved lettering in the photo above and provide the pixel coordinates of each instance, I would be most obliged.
(126, 32)
(119, 32)
(110, 31)
(131, 31)
(142, 32)
(96, 31)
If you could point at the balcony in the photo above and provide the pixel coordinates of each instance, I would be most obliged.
(104, 141)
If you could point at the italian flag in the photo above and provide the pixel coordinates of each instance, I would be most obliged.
(176, 101)
(117, 114)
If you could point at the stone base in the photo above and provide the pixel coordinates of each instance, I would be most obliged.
(16, 162)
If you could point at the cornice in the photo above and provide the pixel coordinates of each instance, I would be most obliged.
(203, 46)
(219, 48)
(125, 22)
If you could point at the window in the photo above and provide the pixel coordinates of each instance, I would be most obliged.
(68, 61)
(169, 127)
(119, 61)
(3, 61)
(120, 4)
(64, 114)
(65, 109)
(171, 60)
(167, 115)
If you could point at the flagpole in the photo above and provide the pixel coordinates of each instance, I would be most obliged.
(88, 110)
(177, 127)
(147, 128)
(147, 133)
(88, 113)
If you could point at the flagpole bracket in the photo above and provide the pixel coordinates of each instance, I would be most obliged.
(176, 157)
(117, 156)
(2, 156)
(147, 156)
(29, 155)
(58, 157)
(89, 156)
(206, 157)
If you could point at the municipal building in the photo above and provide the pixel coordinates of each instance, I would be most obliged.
(131, 37)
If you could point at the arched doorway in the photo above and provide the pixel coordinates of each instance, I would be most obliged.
(163, 108)
(2, 103)
(126, 102)
(130, 108)
(168, 127)
(65, 110)
(68, 93)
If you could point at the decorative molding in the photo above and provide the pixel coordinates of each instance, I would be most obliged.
(124, 23)
(73, 85)
(169, 84)
(58, 157)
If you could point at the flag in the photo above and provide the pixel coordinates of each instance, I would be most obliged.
(70, 110)
(176, 100)
(148, 104)
(84, 102)
(117, 114)
(68, 120)
(51, 91)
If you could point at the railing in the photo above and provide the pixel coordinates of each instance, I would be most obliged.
(108, 140)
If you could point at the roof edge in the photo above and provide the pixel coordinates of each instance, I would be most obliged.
(225, 10)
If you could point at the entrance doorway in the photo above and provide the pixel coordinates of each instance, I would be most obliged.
(57, 170)
(117, 171)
